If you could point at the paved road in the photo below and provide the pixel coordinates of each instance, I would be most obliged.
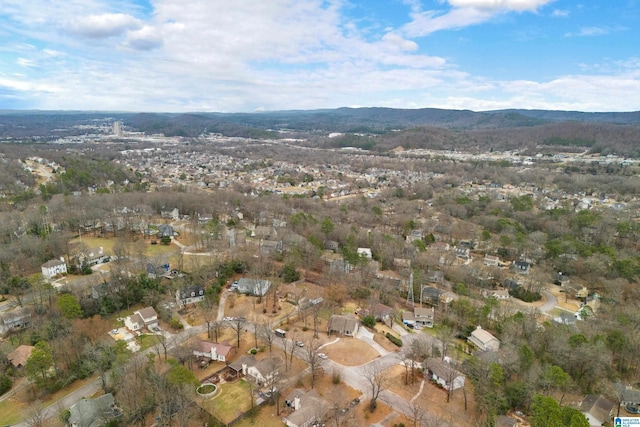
(550, 303)
(355, 377)
(91, 388)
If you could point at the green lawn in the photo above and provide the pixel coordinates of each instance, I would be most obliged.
(8, 413)
(231, 400)
(147, 341)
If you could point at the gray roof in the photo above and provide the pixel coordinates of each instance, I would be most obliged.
(629, 395)
(342, 323)
(192, 292)
(442, 369)
(598, 406)
(93, 412)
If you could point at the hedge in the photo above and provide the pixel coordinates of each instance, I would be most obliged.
(397, 341)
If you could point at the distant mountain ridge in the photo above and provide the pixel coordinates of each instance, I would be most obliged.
(369, 120)
(380, 119)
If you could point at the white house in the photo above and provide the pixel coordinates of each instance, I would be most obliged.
(442, 372)
(420, 318)
(484, 340)
(53, 268)
(213, 350)
(365, 253)
(254, 287)
(597, 409)
(499, 294)
(143, 318)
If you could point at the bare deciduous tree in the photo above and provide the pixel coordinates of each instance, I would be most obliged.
(378, 380)
(238, 325)
(266, 334)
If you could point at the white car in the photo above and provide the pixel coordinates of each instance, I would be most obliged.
(322, 356)
(299, 344)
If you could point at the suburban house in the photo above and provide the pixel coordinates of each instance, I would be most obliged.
(499, 294)
(261, 371)
(17, 318)
(220, 352)
(93, 256)
(331, 245)
(166, 230)
(204, 218)
(382, 313)
(343, 324)
(93, 412)
(414, 235)
(443, 373)
(629, 397)
(143, 318)
(254, 287)
(430, 294)
(522, 266)
(53, 268)
(335, 262)
(564, 318)
(491, 260)
(365, 253)
(269, 247)
(419, 318)
(173, 214)
(462, 252)
(597, 409)
(190, 295)
(18, 357)
(155, 271)
(484, 340)
(308, 408)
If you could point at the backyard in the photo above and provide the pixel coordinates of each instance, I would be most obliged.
(231, 401)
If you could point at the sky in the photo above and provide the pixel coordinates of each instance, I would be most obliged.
(266, 55)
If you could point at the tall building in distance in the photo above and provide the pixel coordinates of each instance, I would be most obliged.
(117, 128)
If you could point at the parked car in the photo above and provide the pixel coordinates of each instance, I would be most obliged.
(322, 356)
(299, 343)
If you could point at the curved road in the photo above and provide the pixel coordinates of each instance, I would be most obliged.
(355, 377)
(550, 303)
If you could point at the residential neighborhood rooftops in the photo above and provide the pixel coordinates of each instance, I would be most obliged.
(19, 356)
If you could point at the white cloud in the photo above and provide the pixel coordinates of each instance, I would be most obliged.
(425, 23)
(24, 62)
(104, 25)
(588, 32)
(517, 5)
(559, 13)
(232, 55)
(146, 38)
(596, 31)
(464, 13)
(23, 85)
(399, 42)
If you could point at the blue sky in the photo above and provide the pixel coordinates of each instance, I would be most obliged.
(253, 55)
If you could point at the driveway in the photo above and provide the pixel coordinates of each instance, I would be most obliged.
(550, 303)
(356, 378)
